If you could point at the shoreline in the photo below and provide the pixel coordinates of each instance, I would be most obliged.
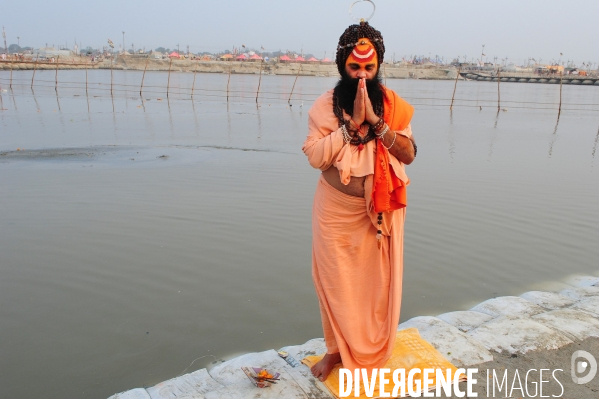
(233, 67)
(513, 334)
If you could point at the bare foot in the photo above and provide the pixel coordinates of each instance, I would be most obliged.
(322, 369)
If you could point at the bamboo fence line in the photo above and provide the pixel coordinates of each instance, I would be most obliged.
(259, 94)
(79, 84)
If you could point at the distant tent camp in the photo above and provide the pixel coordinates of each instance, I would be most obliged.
(300, 59)
(284, 58)
(255, 58)
(312, 59)
(326, 60)
(226, 57)
(241, 57)
(174, 54)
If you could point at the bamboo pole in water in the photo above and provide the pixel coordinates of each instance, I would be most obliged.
(143, 76)
(193, 86)
(168, 83)
(34, 68)
(498, 91)
(86, 78)
(561, 79)
(229, 81)
(11, 74)
(455, 87)
(296, 76)
(259, 81)
(111, 79)
(56, 77)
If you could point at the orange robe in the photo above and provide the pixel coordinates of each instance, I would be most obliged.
(358, 285)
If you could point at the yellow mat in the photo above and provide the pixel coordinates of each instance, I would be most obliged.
(410, 351)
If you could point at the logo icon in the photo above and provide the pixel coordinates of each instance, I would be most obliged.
(580, 367)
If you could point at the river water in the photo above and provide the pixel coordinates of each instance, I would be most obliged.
(139, 234)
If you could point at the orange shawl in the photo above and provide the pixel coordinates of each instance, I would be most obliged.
(389, 192)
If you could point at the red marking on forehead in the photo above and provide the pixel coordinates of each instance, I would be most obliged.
(364, 51)
(363, 56)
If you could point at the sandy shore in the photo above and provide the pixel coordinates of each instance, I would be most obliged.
(237, 67)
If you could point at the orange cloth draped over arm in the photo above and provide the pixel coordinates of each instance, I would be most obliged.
(389, 191)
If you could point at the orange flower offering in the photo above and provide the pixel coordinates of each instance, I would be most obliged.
(265, 374)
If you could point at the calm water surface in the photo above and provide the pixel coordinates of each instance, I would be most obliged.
(138, 235)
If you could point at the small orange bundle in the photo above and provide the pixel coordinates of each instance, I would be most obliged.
(263, 374)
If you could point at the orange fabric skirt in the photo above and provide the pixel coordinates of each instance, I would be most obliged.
(358, 285)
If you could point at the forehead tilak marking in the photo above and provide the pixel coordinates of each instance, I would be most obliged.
(366, 57)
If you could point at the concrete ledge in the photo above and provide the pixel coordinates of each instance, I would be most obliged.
(580, 292)
(582, 281)
(537, 320)
(286, 387)
(508, 305)
(548, 300)
(196, 383)
(313, 347)
(465, 320)
(517, 335)
(590, 304)
(453, 344)
(137, 393)
(230, 372)
(313, 387)
(575, 324)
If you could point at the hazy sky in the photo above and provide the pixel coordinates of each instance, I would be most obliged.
(518, 29)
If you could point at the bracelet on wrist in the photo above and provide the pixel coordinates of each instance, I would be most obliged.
(393, 142)
(379, 125)
(382, 133)
(346, 136)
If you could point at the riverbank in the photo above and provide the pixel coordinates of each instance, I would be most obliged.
(235, 67)
(507, 335)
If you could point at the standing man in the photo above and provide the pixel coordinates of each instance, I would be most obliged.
(360, 138)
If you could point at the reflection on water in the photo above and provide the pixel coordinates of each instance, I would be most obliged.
(140, 233)
(553, 137)
(595, 145)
